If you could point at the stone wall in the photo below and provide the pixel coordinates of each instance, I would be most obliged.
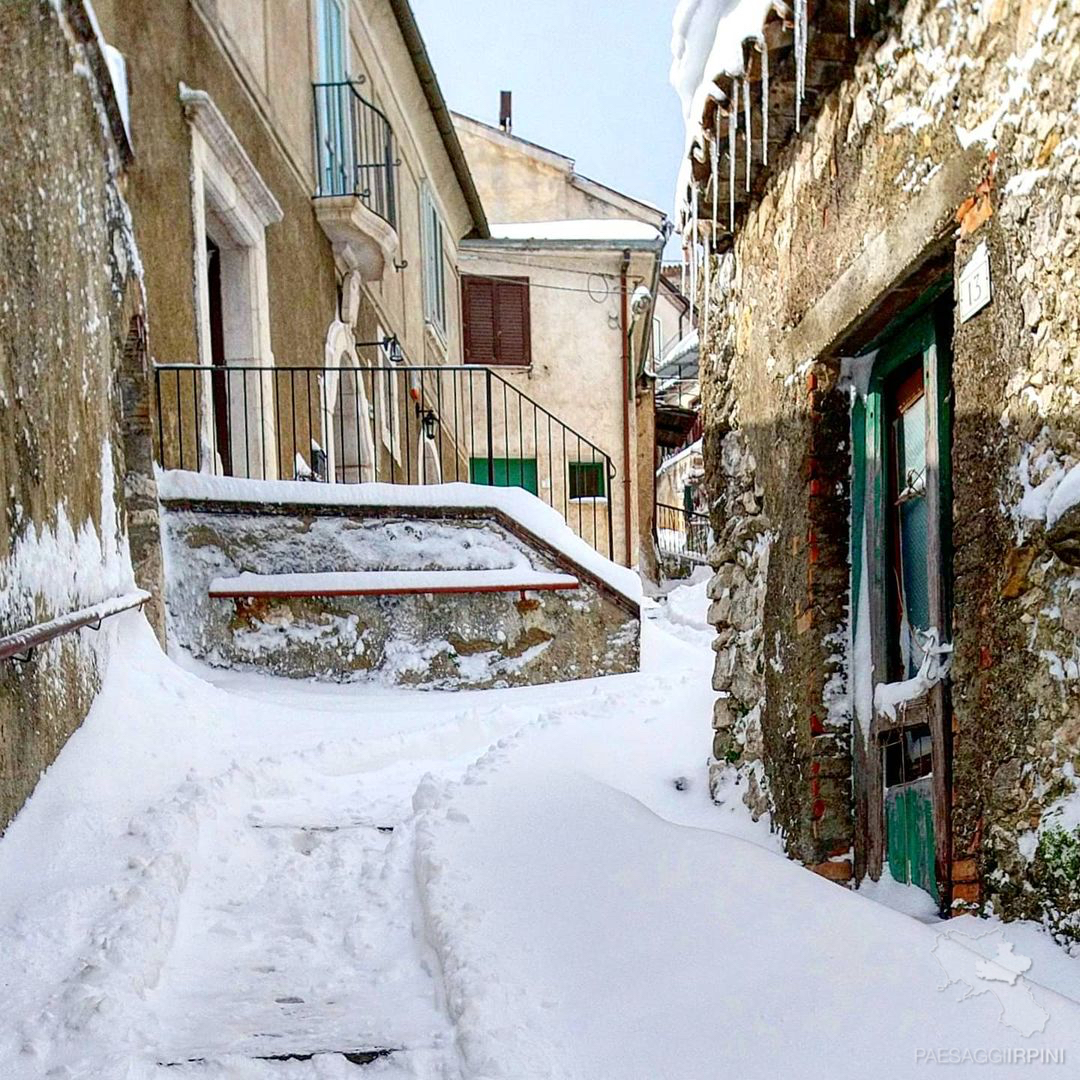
(72, 379)
(956, 128)
(448, 641)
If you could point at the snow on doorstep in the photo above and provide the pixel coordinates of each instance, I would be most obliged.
(376, 582)
(536, 516)
(576, 229)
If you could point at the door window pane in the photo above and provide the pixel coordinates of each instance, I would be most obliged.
(909, 524)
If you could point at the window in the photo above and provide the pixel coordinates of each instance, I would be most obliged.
(508, 472)
(904, 400)
(434, 264)
(331, 36)
(587, 480)
(496, 317)
(336, 172)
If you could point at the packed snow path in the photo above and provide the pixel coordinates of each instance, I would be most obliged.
(227, 875)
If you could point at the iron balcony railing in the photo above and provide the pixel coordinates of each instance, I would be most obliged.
(355, 149)
(682, 536)
(382, 423)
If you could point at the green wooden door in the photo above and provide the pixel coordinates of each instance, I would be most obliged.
(509, 472)
(900, 509)
(909, 823)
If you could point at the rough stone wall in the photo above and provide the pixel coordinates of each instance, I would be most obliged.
(447, 641)
(958, 126)
(70, 300)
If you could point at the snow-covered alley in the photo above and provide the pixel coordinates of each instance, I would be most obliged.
(279, 879)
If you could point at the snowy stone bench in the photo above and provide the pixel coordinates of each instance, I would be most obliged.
(390, 583)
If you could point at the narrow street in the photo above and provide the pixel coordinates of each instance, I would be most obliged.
(498, 883)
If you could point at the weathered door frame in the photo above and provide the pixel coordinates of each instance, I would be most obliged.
(924, 334)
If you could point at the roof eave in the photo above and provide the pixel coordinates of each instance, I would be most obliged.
(425, 72)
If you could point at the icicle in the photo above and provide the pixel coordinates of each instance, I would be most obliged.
(800, 59)
(705, 293)
(715, 169)
(803, 39)
(747, 126)
(764, 103)
(694, 249)
(851, 17)
(732, 131)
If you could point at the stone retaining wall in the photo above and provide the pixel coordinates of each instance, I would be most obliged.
(431, 640)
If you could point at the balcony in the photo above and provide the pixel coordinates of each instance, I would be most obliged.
(355, 199)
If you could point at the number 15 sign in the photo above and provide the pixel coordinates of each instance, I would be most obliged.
(974, 284)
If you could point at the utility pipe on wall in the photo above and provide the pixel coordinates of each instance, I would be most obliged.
(624, 327)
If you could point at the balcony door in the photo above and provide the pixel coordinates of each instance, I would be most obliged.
(332, 101)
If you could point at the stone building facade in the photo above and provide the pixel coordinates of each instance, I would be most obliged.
(892, 442)
(75, 462)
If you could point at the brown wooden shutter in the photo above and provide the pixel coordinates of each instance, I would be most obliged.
(478, 315)
(512, 345)
(495, 312)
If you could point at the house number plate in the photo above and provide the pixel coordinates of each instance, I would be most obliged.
(975, 283)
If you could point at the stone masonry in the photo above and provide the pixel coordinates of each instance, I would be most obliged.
(956, 128)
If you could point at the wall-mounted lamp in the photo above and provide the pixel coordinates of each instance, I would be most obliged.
(393, 350)
(431, 424)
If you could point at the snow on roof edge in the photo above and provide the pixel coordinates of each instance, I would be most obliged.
(686, 345)
(575, 229)
(534, 514)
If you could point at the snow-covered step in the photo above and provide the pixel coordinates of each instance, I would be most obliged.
(390, 583)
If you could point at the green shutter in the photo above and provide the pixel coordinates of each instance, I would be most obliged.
(509, 472)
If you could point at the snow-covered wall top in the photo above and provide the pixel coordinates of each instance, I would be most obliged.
(707, 43)
(536, 516)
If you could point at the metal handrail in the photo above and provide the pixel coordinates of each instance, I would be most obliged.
(693, 526)
(391, 423)
(20, 645)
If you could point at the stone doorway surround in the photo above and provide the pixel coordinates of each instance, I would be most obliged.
(233, 205)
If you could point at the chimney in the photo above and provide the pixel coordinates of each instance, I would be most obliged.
(504, 111)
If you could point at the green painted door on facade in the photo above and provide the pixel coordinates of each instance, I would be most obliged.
(899, 509)
(509, 472)
(909, 819)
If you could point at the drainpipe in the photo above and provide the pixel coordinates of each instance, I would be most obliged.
(624, 326)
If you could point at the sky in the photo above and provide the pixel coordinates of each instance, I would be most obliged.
(589, 80)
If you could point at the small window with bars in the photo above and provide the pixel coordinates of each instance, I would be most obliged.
(434, 264)
(587, 480)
